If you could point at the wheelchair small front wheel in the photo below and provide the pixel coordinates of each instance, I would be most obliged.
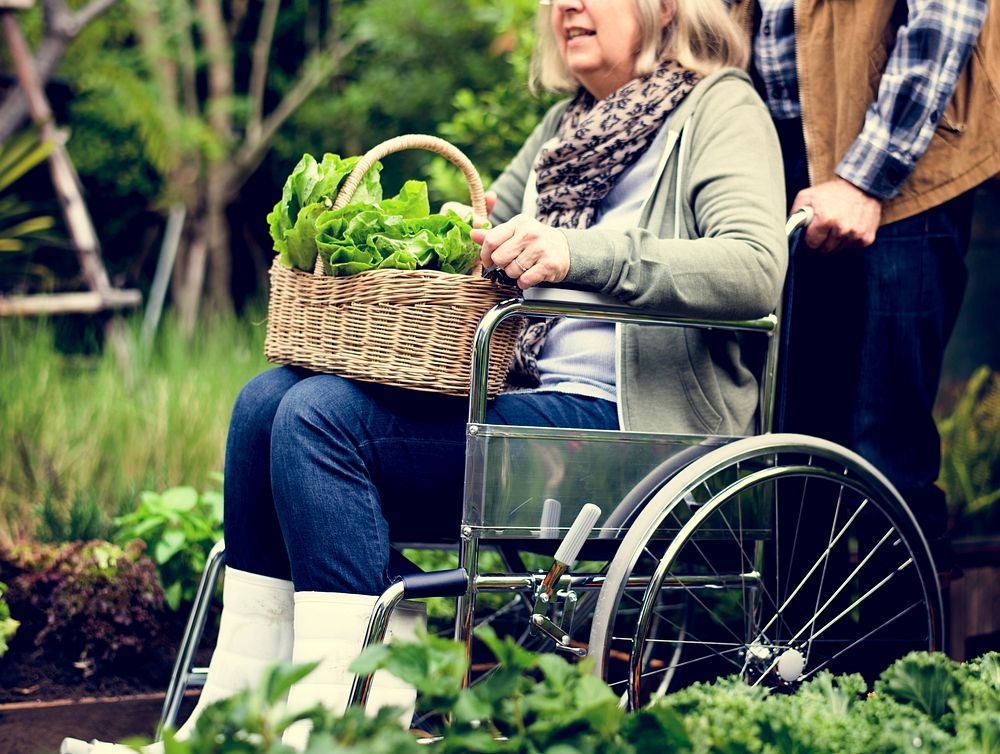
(791, 555)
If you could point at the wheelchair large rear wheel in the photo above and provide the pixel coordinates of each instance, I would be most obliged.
(789, 554)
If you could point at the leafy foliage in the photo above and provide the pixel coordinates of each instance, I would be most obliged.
(93, 603)
(179, 527)
(542, 704)
(970, 453)
(7, 624)
(22, 225)
(491, 123)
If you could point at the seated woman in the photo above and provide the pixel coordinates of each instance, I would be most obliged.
(657, 182)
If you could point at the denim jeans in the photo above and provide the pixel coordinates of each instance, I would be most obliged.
(321, 472)
(868, 332)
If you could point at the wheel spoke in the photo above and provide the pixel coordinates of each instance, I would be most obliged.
(856, 602)
(748, 563)
(681, 641)
(777, 557)
(824, 556)
(680, 629)
(860, 639)
(798, 524)
(811, 622)
(826, 561)
(695, 638)
(696, 547)
(723, 654)
(708, 610)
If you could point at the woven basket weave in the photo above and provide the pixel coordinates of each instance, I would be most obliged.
(407, 328)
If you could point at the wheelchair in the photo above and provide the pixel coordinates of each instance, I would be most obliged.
(678, 558)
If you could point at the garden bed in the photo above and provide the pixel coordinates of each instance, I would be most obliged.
(38, 727)
(41, 701)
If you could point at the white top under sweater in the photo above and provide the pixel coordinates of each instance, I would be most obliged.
(578, 356)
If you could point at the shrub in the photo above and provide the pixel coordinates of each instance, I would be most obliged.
(94, 603)
(7, 624)
(179, 527)
(542, 703)
(970, 454)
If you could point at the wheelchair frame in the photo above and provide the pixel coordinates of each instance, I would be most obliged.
(720, 478)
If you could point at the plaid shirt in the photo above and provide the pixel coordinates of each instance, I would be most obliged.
(930, 53)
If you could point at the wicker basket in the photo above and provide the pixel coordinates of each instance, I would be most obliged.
(407, 328)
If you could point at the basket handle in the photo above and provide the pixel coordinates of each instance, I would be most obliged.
(449, 151)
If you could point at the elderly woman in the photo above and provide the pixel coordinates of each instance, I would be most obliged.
(657, 182)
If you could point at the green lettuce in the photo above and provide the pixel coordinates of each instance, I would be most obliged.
(369, 233)
(308, 192)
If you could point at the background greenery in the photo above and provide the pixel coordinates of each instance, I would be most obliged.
(79, 439)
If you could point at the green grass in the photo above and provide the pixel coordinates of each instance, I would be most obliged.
(79, 440)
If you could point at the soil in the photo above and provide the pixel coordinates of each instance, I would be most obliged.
(39, 727)
(32, 677)
(44, 699)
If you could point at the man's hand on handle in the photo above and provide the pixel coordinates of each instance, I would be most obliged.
(846, 217)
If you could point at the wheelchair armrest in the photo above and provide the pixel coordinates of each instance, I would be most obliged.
(576, 304)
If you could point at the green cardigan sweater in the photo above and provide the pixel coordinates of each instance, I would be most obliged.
(719, 252)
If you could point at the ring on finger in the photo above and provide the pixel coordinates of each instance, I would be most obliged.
(520, 266)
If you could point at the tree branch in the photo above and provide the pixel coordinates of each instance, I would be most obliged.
(258, 72)
(316, 70)
(187, 59)
(88, 13)
(61, 27)
(218, 58)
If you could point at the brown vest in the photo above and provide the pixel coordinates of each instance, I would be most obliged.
(842, 50)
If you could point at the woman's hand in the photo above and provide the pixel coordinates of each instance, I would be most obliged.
(465, 211)
(528, 251)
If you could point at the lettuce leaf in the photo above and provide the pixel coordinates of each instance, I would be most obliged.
(308, 191)
(371, 232)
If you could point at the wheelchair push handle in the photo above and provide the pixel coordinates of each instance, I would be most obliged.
(800, 218)
(577, 535)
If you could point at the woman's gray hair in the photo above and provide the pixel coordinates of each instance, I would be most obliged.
(702, 37)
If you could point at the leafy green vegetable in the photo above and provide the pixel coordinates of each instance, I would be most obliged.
(542, 704)
(179, 526)
(369, 233)
(92, 605)
(927, 681)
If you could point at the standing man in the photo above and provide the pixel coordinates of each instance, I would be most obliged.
(889, 116)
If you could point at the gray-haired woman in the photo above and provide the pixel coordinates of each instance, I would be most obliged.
(659, 183)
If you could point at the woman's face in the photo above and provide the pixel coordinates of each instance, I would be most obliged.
(598, 41)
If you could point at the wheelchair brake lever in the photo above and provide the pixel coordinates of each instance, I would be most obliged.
(568, 550)
(565, 558)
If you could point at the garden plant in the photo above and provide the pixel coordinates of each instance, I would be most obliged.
(537, 703)
(110, 478)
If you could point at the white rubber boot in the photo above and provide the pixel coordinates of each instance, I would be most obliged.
(255, 631)
(330, 628)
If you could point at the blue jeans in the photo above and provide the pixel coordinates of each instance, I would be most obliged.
(868, 333)
(321, 472)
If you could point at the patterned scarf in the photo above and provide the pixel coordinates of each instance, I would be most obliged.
(596, 143)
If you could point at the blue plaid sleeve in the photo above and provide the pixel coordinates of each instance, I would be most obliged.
(920, 76)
